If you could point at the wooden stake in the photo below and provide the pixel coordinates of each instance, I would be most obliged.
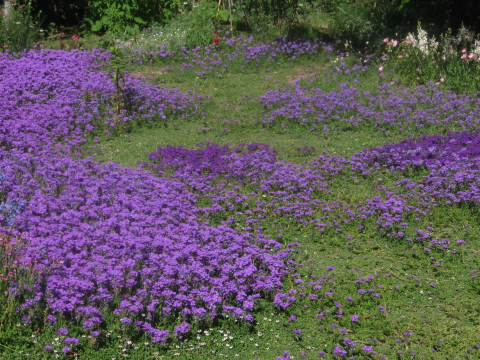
(218, 9)
(230, 9)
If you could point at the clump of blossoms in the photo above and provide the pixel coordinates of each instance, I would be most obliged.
(462, 45)
(421, 43)
(96, 231)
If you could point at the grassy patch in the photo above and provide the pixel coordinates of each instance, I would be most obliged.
(390, 295)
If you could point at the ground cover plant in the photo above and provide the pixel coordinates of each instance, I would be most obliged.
(315, 210)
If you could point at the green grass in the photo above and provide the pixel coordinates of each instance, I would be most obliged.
(448, 312)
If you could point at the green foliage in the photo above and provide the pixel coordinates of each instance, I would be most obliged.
(192, 29)
(366, 22)
(451, 62)
(198, 25)
(20, 30)
(279, 12)
(354, 24)
(128, 17)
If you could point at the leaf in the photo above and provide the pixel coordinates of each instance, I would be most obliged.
(139, 20)
(223, 15)
(132, 30)
(106, 21)
(97, 26)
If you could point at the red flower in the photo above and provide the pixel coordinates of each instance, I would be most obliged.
(75, 38)
(21, 6)
(215, 33)
(216, 40)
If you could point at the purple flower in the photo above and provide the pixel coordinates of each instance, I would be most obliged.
(183, 328)
(293, 318)
(62, 331)
(338, 351)
(354, 318)
(65, 349)
(69, 341)
(368, 349)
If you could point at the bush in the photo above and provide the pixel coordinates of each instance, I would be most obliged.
(130, 15)
(366, 22)
(19, 30)
(279, 12)
(188, 31)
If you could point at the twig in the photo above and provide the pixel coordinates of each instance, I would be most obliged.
(456, 297)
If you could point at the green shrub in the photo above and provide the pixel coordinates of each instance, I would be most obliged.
(192, 29)
(366, 22)
(279, 12)
(129, 16)
(19, 31)
(453, 62)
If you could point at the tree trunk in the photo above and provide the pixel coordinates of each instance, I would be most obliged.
(7, 10)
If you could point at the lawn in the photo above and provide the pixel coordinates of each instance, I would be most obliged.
(253, 199)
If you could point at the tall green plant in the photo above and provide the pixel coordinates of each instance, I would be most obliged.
(130, 15)
(281, 12)
(19, 31)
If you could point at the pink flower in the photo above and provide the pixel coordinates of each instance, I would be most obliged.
(471, 56)
(442, 79)
(75, 38)
(400, 56)
(394, 43)
(464, 51)
(380, 68)
(385, 40)
(463, 57)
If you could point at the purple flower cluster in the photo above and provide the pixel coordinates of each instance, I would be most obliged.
(182, 329)
(388, 108)
(192, 246)
(243, 51)
(220, 176)
(51, 97)
(102, 232)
